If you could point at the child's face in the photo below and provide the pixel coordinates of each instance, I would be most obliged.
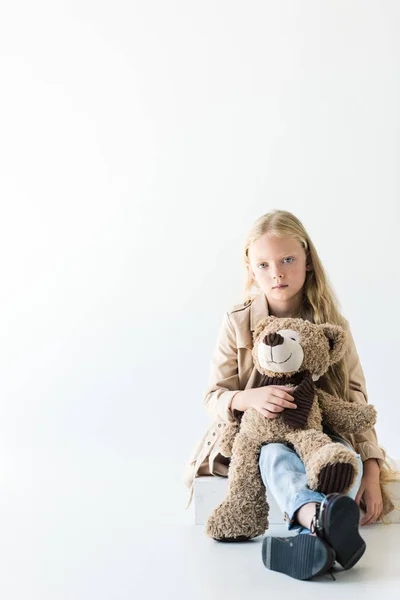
(276, 261)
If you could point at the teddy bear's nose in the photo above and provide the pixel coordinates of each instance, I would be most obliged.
(273, 339)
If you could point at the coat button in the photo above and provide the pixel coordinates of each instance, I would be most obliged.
(219, 424)
(208, 443)
(214, 433)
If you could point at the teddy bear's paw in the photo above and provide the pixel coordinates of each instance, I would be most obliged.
(335, 478)
(228, 524)
(371, 415)
(227, 439)
(225, 447)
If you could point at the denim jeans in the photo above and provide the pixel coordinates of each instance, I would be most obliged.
(283, 472)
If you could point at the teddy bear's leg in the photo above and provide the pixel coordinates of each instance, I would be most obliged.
(244, 512)
(330, 467)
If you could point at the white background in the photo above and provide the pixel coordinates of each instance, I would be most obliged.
(139, 141)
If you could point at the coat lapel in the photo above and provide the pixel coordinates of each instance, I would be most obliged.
(258, 310)
(247, 320)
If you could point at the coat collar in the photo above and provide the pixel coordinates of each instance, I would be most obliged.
(259, 309)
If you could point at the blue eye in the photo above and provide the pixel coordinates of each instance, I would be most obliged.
(287, 258)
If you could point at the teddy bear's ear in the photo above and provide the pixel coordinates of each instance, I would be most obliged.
(337, 338)
(261, 325)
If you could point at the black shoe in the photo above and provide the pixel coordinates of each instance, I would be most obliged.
(336, 522)
(302, 556)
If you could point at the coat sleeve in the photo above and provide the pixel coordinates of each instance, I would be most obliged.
(223, 381)
(366, 444)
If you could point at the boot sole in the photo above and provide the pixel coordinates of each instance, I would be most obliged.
(340, 520)
(302, 556)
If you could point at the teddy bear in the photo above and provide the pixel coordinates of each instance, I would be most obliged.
(295, 353)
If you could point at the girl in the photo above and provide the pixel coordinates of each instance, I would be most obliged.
(282, 263)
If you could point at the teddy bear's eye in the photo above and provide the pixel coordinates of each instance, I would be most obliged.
(289, 334)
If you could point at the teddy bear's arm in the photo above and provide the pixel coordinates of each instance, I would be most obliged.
(228, 438)
(347, 417)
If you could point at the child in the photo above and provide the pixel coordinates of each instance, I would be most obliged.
(282, 263)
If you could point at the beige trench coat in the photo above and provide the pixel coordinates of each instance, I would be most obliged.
(232, 370)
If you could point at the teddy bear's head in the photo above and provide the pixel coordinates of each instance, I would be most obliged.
(285, 346)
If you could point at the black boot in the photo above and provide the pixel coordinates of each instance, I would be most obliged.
(336, 522)
(302, 556)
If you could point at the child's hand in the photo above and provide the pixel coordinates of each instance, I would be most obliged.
(271, 400)
(370, 492)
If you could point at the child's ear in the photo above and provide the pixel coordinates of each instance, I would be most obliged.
(308, 261)
(250, 272)
(337, 338)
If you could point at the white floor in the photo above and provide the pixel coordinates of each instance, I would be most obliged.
(85, 529)
(183, 562)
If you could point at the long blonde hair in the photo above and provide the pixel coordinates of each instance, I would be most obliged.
(319, 305)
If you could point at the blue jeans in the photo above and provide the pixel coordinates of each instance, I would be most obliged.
(283, 472)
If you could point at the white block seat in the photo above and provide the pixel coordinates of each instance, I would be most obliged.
(211, 490)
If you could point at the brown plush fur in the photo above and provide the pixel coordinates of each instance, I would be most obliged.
(244, 512)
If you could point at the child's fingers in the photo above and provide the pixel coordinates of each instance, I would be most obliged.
(284, 387)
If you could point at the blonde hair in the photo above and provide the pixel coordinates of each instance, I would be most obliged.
(319, 304)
